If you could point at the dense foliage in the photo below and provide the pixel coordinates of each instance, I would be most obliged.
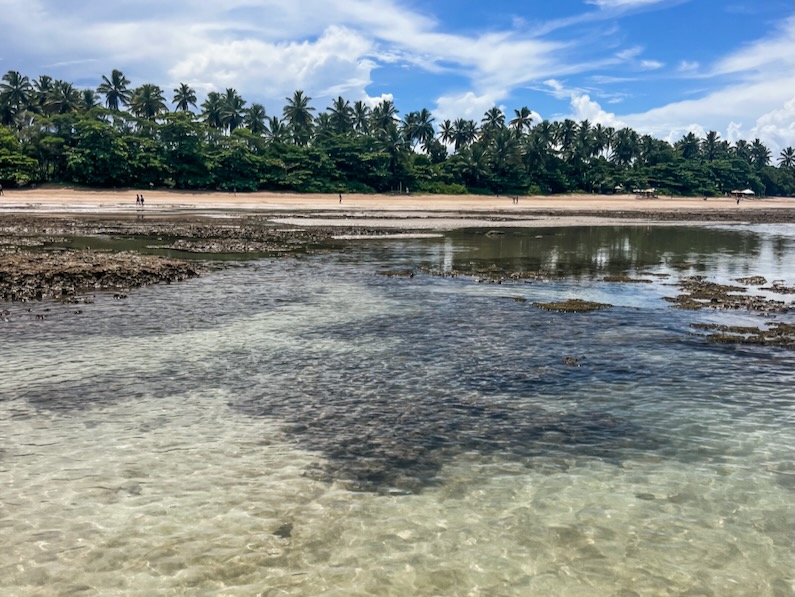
(121, 136)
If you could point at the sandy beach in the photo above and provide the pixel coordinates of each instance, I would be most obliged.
(111, 201)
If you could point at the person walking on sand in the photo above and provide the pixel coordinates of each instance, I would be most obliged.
(340, 194)
(137, 201)
(142, 201)
(1, 190)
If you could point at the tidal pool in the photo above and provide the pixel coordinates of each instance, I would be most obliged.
(303, 426)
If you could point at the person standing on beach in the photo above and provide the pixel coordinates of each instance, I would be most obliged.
(1, 190)
(137, 200)
(142, 201)
(340, 197)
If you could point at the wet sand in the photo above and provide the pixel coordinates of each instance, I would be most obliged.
(438, 211)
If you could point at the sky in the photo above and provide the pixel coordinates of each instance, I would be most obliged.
(663, 67)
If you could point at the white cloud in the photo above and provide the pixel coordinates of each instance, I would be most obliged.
(464, 105)
(623, 4)
(651, 64)
(687, 66)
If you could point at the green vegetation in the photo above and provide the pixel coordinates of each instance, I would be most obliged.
(122, 136)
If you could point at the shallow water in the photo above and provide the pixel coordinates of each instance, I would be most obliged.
(306, 427)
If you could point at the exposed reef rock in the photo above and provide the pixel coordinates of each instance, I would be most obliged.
(572, 306)
(26, 276)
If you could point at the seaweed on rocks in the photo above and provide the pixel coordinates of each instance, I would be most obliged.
(778, 334)
(26, 276)
(572, 306)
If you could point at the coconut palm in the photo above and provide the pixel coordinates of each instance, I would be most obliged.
(710, 146)
(184, 98)
(15, 91)
(88, 100)
(446, 132)
(626, 147)
(298, 115)
(689, 146)
(424, 129)
(212, 110)
(493, 120)
(115, 89)
(522, 121)
(147, 101)
(786, 158)
(41, 92)
(742, 150)
(464, 133)
(760, 154)
(232, 109)
(63, 98)
(254, 119)
(383, 116)
(341, 116)
(277, 131)
(361, 118)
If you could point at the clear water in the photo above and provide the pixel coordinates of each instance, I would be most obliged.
(306, 427)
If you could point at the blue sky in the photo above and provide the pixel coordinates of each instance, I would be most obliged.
(664, 67)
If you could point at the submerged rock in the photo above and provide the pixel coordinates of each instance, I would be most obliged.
(752, 280)
(625, 278)
(778, 334)
(397, 273)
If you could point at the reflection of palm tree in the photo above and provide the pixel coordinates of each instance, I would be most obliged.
(184, 97)
(787, 157)
(115, 90)
(298, 115)
(254, 119)
(148, 101)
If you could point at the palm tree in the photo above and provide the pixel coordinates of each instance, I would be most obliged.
(565, 135)
(115, 90)
(522, 121)
(493, 120)
(689, 146)
(41, 92)
(446, 132)
(184, 97)
(742, 150)
(709, 147)
(63, 98)
(254, 119)
(277, 131)
(626, 147)
(383, 116)
(232, 109)
(298, 114)
(15, 91)
(361, 118)
(424, 129)
(212, 108)
(760, 154)
(88, 100)
(787, 157)
(341, 115)
(464, 133)
(148, 101)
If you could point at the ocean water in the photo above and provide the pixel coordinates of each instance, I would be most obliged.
(304, 426)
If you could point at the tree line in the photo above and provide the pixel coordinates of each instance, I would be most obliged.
(117, 136)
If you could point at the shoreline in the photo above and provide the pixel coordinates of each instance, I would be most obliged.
(409, 212)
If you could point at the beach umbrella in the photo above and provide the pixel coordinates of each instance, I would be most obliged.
(747, 192)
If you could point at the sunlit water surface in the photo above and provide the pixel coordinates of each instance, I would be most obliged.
(307, 427)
